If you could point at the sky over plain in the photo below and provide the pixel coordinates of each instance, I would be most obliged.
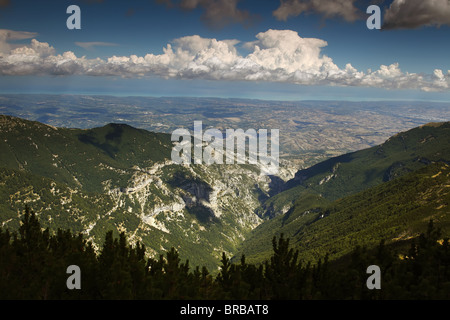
(271, 49)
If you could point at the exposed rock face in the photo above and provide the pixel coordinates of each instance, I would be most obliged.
(120, 178)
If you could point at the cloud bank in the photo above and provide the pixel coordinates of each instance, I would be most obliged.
(275, 56)
(416, 13)
(401, 14)
(216, 13)
(344, 9)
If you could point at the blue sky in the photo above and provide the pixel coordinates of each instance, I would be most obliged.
(246, 48)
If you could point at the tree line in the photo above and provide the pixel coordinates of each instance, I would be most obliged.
(33, 264)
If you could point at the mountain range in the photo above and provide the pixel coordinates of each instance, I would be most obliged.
(120, 178)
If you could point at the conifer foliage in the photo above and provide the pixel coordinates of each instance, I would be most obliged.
(33, 264)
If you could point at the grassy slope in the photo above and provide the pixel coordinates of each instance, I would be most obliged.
(92, 156)
(347, 175)
(393, 211)
(354, 172)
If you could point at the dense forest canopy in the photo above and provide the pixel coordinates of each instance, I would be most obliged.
(34, 263)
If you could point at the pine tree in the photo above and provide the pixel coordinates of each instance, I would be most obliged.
(224, 277)
(280, 272)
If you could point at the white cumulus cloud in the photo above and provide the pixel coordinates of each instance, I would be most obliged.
(275, 56)
(6, 36)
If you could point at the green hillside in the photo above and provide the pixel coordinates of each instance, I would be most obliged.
(79, 158)
(120, 178)
(316, 191)
(396, 210)
(350, 173)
